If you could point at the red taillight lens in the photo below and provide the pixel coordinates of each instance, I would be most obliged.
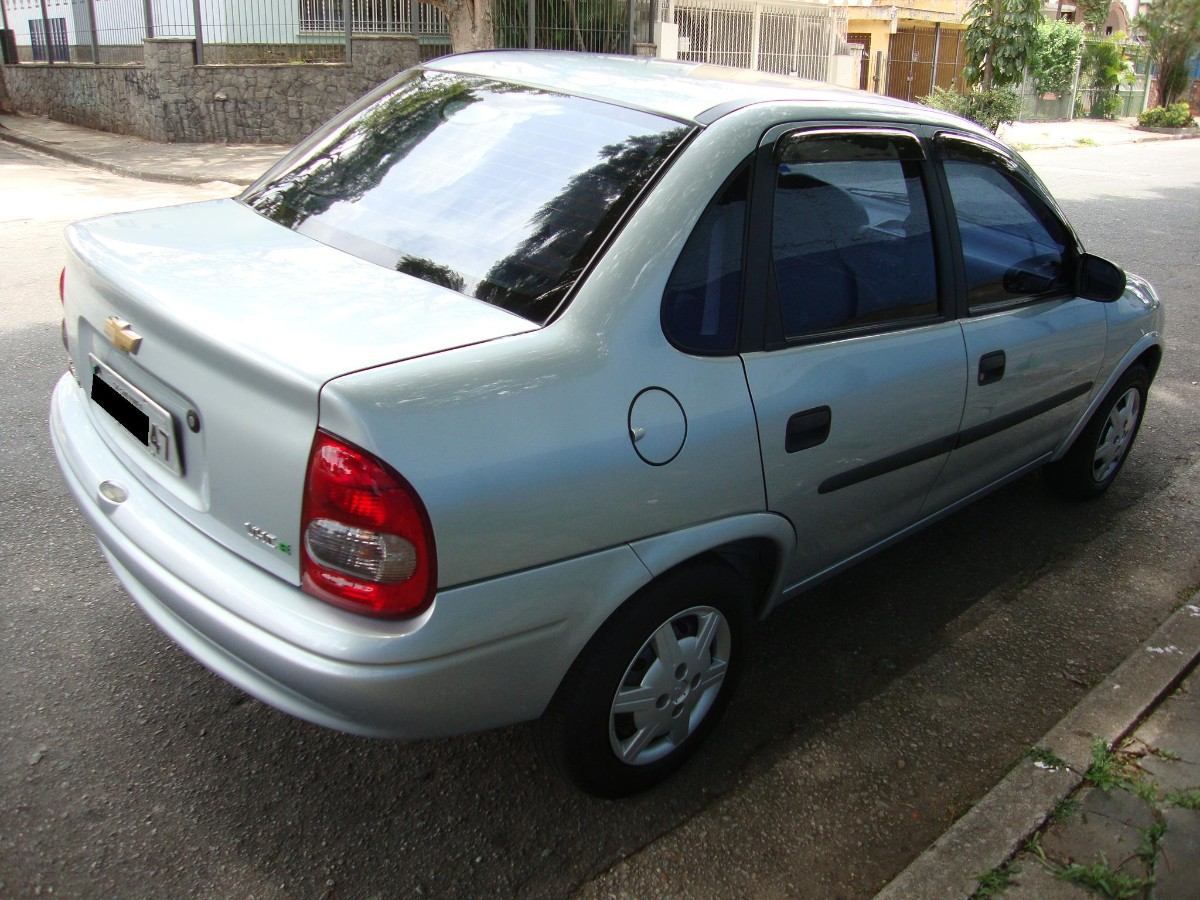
(366, 541)
(62, 286)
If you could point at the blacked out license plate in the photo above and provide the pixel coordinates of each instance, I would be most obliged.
(151, 425)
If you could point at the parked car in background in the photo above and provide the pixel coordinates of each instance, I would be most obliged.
(524, 387)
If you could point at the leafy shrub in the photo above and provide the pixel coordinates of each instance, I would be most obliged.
(1177, 115)
(1106, 106)
(1052, 65)
(990, 109)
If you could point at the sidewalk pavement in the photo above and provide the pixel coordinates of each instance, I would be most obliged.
(1076, 133)
(139, 158)
(1107, 802)
(242, 163)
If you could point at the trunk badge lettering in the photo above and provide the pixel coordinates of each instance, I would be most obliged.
(121, 335)
(265, 537)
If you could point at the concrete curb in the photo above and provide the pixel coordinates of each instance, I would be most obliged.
(998, 825)
(144, 175)
(1171, 133)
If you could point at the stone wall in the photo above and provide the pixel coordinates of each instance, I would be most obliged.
(169, 98)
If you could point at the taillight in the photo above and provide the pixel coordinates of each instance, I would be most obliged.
(62, 286)
(366, 541)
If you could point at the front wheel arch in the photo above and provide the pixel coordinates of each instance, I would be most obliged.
(1074, 476)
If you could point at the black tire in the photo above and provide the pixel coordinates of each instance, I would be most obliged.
(580, 731)
(1082, 474)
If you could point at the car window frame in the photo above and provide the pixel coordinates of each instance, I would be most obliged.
(762, 322)
(1015, 167)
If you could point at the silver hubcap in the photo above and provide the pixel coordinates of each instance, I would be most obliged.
(670, 685)
(1116, 434)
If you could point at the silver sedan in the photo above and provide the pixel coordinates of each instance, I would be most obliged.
(523, 388)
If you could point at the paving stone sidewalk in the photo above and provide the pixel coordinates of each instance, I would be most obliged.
(1133, 829)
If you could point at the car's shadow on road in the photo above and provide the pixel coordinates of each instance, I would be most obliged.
(303, 806)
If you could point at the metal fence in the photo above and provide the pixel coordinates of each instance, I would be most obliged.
(1086, 98)
(786, 38)
(591, 26)
(254, 31)
(111, 32)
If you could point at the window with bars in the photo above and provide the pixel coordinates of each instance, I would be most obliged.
(59, 49)
(373, 17)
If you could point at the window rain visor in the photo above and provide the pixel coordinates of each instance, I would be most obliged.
(499, 191)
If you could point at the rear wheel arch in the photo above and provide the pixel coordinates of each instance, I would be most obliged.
(756, 546)
(758, 561)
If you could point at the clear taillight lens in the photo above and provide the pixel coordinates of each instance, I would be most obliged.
(367, 542)
(381, 558)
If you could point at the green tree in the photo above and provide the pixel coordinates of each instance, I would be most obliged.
(1053, 62)
(1093, 12)
(1104, 69)
(1001, 36)
(1172, 29)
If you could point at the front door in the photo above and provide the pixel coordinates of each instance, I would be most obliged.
(1034, 350)
(859, 392)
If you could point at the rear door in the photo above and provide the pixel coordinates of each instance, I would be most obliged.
(1033, 348)
(860, 382)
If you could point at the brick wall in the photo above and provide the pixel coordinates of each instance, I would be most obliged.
(169, 98)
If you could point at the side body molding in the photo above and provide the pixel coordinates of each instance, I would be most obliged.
(662, 552)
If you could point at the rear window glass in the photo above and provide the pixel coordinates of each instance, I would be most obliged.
(499, 191)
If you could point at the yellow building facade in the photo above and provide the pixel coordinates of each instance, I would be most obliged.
(907, 48)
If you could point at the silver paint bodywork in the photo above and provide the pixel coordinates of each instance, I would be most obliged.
(518, 438)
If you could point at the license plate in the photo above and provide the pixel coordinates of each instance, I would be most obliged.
(151, 425)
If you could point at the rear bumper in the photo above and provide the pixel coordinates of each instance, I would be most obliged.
(483, 655)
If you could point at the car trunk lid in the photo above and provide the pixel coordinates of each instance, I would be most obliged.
(240, 322)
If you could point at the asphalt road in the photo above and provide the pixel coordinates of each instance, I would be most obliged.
(879, 707)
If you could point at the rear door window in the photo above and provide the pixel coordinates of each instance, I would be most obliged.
(851, 241)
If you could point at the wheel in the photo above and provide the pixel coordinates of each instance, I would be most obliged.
(652, 683)
(1097, 455)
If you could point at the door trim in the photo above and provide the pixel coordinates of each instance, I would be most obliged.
(950, 442)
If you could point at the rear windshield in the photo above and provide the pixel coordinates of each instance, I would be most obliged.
(495, 190)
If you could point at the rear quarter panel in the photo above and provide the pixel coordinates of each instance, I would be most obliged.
(520, 447)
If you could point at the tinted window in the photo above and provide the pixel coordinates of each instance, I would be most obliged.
(701, 302)
(499, 191)
(851, 241)
(1013, 245)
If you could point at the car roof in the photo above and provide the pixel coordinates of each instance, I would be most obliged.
(694, 92)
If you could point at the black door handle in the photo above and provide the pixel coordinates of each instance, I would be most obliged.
(991, 367)
(807, 429)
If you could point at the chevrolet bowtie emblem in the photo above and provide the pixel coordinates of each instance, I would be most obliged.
(121, 335)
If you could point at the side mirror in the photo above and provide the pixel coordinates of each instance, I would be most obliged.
(1099, 279)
